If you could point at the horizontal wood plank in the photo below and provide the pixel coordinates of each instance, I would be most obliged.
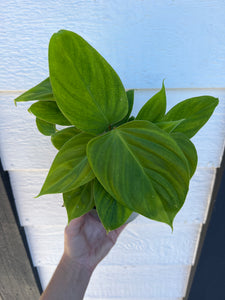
(145, 41)
(132, 282)
(154, 243)
(48, 210)
(16, 276)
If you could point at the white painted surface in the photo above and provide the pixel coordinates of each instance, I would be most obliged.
(145, 41)
(154, 243)
(146, 282)
(48, 210)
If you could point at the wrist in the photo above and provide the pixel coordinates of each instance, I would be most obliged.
(75, 266)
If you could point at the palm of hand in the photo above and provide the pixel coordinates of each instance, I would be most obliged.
(86, 241)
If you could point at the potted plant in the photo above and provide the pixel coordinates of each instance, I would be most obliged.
(108, 159)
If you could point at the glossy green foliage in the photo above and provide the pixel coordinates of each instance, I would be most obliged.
(79, 201)
(86, 88)
(168, 126)
(61, 137)
(195, 112)
(111, 213)
(70, 168)
(49, 111)
(143, 168)
(188, 149)
(130, 98)
(155, 108)
(45, 128)
(41, 92)
(107, 159)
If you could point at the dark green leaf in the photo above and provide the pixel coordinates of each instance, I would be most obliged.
(49, 112)
(132, 118)
(87, 89)
(111, 213)
(188, 149)
(61, 137)
(45, 127)
(70, 168)
(168, 126)
(154, 110)
(79, 201)
(130, 97)
(42, 92)
(196, 112)
(142, 167)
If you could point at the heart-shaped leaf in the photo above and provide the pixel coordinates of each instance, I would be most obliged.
(143, 168)
(41, 92)
(87, 89)
(196, 112)
(80, 201)
(45, 127)
(111, 213)
(70, 168)
(188, 149)
(154, 110)
(61, 137)
(49, 112)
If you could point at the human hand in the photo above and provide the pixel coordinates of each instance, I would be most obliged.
(86, 242)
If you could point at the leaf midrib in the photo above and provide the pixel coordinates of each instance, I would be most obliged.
(131, 152)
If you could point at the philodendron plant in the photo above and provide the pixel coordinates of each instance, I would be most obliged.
(108, 159)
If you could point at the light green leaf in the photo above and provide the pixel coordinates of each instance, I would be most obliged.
(79, 201)
(154, 110)
(45, 127)
(41, 92)
(188, 149)
(61, 137)
(70, 168)
(87, 90)
(196, 112)
(49, 112)
(111, 213)
(143, 168)
(130, 97)
(169, 126)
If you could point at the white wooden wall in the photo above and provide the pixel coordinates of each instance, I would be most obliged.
(145, 41)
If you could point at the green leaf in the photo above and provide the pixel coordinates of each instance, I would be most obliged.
(41, 92)
(45, 127)
(142, 167)
(188, 149)
(169, 126)
(130, 97)
(196, 112)
(79, 201)
(49, 112)
(132, 118)
(61, 137)
(70, 168)
(154, 110)
(111, 213)
(87, 90)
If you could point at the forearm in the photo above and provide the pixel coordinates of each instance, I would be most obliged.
(69, 282)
